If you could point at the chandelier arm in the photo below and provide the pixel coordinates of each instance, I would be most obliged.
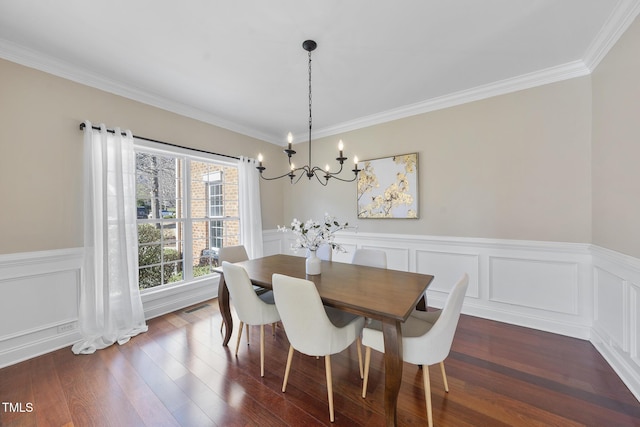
(336, 173)
(293, 175)
(315, 173)
(343, 179)
(275, 177)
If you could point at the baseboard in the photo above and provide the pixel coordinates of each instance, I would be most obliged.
(176, 298)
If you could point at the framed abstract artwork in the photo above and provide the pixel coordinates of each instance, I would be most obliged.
(388, 187)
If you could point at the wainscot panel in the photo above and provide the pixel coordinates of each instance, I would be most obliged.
(616, 325)
(446, 267)
(543, 285)
(609, 313)
(39, 305)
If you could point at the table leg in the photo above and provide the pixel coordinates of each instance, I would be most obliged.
(225, 309)
(392, 334)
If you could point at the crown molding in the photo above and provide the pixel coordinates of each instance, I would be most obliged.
(525, 81)
(620, 19)
(43, 62)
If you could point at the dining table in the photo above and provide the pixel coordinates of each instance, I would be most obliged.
(381, 294)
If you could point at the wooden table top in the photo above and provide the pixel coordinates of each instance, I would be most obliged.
(373, 292)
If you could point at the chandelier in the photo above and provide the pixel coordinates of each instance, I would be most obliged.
(322, 175)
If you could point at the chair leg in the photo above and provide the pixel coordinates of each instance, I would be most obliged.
(359, 346)
(286, 370)
(444, 377)
(240, 336)
(262, 350)
(273, 329)
(327, 363)
(367, 363)
(246, 327)
(427, 393)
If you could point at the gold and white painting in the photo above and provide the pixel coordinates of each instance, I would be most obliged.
(388, 187)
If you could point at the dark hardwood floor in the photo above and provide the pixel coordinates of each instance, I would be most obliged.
(178, 374)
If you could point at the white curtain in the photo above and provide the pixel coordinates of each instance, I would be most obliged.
(250, 212)
(110, 306)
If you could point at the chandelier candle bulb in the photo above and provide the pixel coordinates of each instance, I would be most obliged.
(260, 159)
(289, 139)
(340, 147)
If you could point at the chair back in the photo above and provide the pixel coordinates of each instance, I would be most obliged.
(370, 258)
(303, 316)
(249, 307)
(232, 254)
(435, 345)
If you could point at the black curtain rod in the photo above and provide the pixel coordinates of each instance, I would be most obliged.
(83, 125)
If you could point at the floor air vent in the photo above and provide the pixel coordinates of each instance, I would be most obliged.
(191, 310)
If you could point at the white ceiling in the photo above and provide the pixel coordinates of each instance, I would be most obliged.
(240, 64)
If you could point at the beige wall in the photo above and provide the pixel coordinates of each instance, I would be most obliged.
(519, 166)
(41, 153)
(516, 166)
(616, 146)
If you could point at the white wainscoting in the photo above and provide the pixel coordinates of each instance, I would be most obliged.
(40, 293)
(616, 321)
(570, 289)
(541, 285)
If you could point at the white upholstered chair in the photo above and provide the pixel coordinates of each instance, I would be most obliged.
(235, 254)
(250, 308)
(370, 258)
(232, 254)
(426, 339)
(312, 328)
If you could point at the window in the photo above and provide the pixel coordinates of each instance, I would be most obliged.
(216, 210)
(187, 208)
(216, 207)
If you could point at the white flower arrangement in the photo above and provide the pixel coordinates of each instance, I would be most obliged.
(312, 234)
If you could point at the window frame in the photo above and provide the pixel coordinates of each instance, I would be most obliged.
(186, 156)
